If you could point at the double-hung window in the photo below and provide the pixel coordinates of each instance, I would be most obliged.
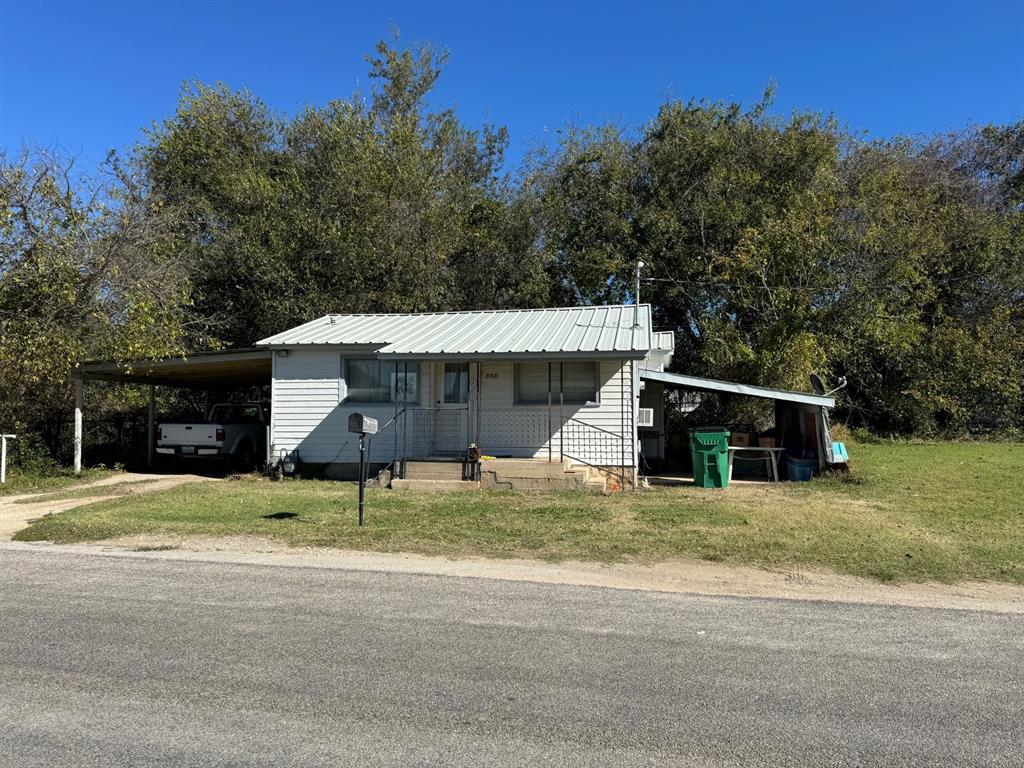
(580, 385)
(369, 380)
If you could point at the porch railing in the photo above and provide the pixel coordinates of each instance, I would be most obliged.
(434, 432)
(437, 432)
(422, 433)
(596, 447)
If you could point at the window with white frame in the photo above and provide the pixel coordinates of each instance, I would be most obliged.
(369, 380)
(580, 386)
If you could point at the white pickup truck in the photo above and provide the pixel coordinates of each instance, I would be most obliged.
(234, 431)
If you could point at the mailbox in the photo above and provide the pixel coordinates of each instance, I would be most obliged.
(362, 425)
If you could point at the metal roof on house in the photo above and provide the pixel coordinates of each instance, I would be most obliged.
(713, 385)
(597, 331)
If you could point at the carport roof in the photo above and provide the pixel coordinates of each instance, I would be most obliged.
(713, 385)
(235, 368)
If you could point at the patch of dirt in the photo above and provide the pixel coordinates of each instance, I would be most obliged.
(680, 575)
(16, 512)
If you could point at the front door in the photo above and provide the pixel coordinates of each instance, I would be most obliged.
(451, 422)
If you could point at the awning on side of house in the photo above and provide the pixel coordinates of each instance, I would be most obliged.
(228, 368)
(713, 385)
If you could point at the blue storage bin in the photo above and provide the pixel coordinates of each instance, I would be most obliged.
(839, 454)
(800, 469)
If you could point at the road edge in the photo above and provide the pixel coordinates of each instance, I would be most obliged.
(689, 577)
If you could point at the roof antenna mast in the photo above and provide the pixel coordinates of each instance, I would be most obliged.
(636, 293)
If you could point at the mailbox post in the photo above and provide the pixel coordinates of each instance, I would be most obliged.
(365, 427)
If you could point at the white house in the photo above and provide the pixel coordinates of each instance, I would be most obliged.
(580, 390)
(556, 384)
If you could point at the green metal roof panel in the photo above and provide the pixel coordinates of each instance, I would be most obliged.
(713, 385)
(599, 330)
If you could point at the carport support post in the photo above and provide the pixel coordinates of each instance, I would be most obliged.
(151, 427)
(79, 397)
(551, 436)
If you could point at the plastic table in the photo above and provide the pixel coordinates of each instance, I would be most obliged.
(771, 458)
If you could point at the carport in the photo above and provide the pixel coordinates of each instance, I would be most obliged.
(230, 369)
(802, 412)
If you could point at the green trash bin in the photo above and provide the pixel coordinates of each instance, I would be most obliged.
(709, 447)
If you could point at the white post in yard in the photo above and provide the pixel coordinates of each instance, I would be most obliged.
(78, 425)
(151, 426)
(3, 457)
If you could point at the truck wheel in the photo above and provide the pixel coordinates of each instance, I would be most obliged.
(245, 459)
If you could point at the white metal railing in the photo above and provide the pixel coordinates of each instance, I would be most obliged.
(437, 432)
(596, 446)
(440, 432)
(3, 456)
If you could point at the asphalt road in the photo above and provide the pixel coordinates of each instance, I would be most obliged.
(137, 662)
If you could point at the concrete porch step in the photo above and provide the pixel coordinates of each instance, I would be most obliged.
(430, 473)
(423, 484)
(433, 476)
(527, 468)
(500, 483)
(433, 470)
(421, 473)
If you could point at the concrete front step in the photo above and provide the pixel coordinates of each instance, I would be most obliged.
(565, 481)
(500, 483)
(434, 485)
(457, 477)
(503, 474)
(528, 466)
(524, 469)
(424, 473)
(438, 470)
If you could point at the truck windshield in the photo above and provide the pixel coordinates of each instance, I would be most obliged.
(235, 414)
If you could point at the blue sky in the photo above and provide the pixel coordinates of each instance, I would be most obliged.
(88, 77)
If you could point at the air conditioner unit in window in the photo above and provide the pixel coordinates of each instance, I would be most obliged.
(645, 417)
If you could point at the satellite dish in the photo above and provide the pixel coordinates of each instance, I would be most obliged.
(819, 387)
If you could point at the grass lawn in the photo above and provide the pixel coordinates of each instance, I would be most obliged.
(63, 479)
(908, 512)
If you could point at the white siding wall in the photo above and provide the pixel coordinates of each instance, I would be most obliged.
(308, 417)
(522, 430)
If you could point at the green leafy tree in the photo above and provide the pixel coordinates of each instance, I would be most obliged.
(927, 323)
(87, 270)
(356, 206)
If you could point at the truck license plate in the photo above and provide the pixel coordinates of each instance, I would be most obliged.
(188, 449)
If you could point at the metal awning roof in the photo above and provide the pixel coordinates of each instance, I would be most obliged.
(231, 368)
(593, 331)
(713, 385)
